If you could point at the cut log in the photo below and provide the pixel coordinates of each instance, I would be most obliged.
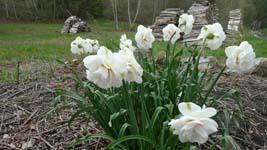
(167, 16)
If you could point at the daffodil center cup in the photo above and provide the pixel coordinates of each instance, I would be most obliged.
(144, 38)
(210, 36)
(237, 57)
(107, 67)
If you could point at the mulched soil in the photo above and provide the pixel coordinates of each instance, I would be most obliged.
(24, 121)
(252, 134)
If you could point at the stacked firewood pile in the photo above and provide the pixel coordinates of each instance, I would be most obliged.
(75, 25)
(168, 16)
(235, 24)
(205, 12)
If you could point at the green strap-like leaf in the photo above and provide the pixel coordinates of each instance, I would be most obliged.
(123, 129)
(114, 116)
(89, 137)
(75, 115)
(126, 138)
(156, 114)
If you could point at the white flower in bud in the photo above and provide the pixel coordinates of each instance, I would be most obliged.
(126, 43)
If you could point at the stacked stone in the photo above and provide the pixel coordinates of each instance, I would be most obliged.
(204, 12)
(75, 25)
(234, 27)
(168, 16)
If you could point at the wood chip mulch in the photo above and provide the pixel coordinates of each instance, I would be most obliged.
(24, 123)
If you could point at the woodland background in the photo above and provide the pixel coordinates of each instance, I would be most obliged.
(58, 10)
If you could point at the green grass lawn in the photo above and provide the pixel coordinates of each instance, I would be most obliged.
(44, 42)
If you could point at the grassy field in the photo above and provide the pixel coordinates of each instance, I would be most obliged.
(45, 42)
(29, 42)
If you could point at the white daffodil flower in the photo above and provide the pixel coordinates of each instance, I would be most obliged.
(240, 59)
(126, 43)
(80, 46)
(144, 37)
(171, 32)
(105, 69)
(135, 71)
(213, 36)
(195, 125)
(94, 44)
(186, 23)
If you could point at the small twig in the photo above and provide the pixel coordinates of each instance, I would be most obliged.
(254, 113)
(261, 93)
(29, 118)
(55, 128)
(7, 146)
(18, 72)
(97, 143)
(21, 108)
(68, 12)
(245, 141)
(19, 92)
(3, 115)
(46, 142)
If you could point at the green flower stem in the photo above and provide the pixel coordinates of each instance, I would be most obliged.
(130, 106)
(153, 60)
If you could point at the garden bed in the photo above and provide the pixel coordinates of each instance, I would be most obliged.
(24, 119)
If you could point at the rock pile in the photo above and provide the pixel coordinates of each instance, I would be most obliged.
(235, 25)
(168, 16)
(75, 25)
(205, 12)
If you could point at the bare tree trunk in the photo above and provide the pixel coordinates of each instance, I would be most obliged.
(129, 12)
(131, 22)
(165, 4)
(36, 9)
(54, 15)
(155, 2)
(6, 5)
(115, 12)
(14, 9)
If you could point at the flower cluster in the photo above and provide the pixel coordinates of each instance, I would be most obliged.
(81, 46)
(195, 125)
(107, 69)
(172, 33)
(126, 43)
